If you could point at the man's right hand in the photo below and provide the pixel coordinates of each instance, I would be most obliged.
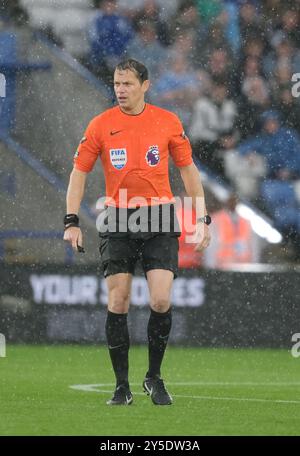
(73, 235)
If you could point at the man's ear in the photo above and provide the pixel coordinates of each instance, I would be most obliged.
(146, 85)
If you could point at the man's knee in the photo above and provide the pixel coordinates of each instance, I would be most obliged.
(159, 304)
(118, 302)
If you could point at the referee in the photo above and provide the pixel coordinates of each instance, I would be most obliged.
(134, 141)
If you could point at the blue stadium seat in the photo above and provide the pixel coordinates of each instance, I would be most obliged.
(280, 200)
(9, 67)
(8, 59)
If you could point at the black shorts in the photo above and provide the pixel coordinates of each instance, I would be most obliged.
(121, 254)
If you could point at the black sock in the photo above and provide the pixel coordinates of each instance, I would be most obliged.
(159, 328)
(118, 344)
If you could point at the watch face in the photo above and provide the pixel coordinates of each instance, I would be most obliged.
(207, 219)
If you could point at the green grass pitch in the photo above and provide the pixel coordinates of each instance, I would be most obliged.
(215, 392)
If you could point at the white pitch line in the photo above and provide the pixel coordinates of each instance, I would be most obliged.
(95, 388)
(91, 388)
(235, 383)
(242, 399)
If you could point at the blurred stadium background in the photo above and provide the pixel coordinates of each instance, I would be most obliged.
(229, 70)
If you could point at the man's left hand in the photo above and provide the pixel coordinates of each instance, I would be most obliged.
(202, 232)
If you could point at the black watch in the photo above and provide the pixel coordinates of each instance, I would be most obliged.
(206, 219)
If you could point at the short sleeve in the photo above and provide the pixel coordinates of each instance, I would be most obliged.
(89, 148)
(179, 145)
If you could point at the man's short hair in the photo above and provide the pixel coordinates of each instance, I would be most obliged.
(136, 67)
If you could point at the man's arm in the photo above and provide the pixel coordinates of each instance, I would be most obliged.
(74, 196)
(193, 186)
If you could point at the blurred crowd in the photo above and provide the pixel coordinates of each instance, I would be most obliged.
(225, 67)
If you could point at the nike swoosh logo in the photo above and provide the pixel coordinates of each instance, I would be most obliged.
(128, 400)
(163, 337)
(116, 346)
(115, 132)
(149, 389)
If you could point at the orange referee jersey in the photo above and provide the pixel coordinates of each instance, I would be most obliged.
(134, 151)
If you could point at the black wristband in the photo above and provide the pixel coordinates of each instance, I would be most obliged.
(71, 220)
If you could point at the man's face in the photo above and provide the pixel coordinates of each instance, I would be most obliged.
(219, 93)
(271, 126)
(130, 92)
(109, 6)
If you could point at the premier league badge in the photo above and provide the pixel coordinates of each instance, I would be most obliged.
(152, 156)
